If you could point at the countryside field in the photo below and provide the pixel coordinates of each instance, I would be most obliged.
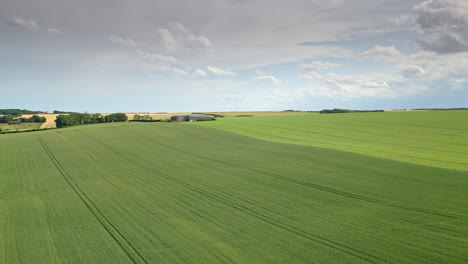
(432, 138)
(339, 188)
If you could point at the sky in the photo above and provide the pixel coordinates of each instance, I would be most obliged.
(232, 55)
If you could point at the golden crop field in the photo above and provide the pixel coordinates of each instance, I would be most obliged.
(50, 123)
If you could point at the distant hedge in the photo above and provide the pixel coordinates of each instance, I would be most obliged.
(336, 111)
(210, 114)
(143, 120)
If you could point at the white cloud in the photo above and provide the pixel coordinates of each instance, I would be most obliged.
(310, 76)
(217, 71)
(177, 36)
(167, 39)
(440, 67)
(259, 72)
(318, 65)
(410, 71)
(154, 57)
(382, 52)
(175, 70)
(54, 31)
(199, 73)
(30, 24)
(267, 79)
(355, 86)
(122, 41)
(447, 22)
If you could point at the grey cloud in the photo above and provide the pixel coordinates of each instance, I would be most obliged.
(447, 23)
(23, 23)
(122, 41)
(167, 39)
(54, 31)
(410, 71)
(177, 36)
(382, 52)
(400, 20)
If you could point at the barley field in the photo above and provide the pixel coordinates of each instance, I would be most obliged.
(187, 193)
(431, 138)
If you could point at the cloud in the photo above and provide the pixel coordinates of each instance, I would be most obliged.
(410, 71)
(175, 70)
(177, 36)
(267, 79)
(354, 86)
(318, 65)
(129, 43)
(382, 52)
(167, 39)
(154, 57)
(217, 71)
(54, 31)
(199, 73)
(30, 25)
(400, 20)
(203, 41)
(310, 76)
(440, 67)
(447, 23)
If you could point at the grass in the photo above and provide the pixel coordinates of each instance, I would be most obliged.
(259, 113)
(432, 138)
(21, 127)
(182, 193)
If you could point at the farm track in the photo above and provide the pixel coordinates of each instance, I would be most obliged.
(126, 246)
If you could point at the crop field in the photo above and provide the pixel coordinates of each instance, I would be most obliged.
(20, 127)
(50, 123)
(186, 193)
(432, 138)
(259, 113)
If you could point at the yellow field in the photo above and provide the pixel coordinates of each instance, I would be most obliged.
(50, 123)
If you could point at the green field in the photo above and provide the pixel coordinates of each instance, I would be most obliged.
(432, 138)
(21, 127)
(185, 193)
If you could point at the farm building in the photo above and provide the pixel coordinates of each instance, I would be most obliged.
(190, 118)
(177, 118)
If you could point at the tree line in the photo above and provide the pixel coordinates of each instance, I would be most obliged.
(19, 112)
(33, 119)
(76, 119)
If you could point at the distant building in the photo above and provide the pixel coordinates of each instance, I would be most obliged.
(191, 118)
(177, 118)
